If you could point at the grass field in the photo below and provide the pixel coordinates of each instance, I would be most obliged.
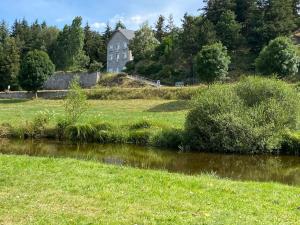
(64, 191)
(160, 112)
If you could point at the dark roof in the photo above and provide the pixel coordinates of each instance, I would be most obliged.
(129, 34)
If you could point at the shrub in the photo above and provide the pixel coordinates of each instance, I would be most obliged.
(249, 117)
(81, 132)
(212, 63)
(139, 137)
(170, 138)
(279, 57)
(141, 125)
(291, 143)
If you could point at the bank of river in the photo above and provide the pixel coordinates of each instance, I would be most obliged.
(267, 168)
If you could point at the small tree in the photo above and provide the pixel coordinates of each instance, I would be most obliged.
(212, 62)
(279, 57)
(36, 68)
(75, 103)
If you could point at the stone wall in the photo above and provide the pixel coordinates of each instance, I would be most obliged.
(58, 94)
(61, 81)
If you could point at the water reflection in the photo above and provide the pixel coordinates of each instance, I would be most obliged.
(284, 169)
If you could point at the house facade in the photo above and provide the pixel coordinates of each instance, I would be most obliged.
(118, 53)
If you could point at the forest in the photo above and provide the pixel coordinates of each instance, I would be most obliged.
(227, 34)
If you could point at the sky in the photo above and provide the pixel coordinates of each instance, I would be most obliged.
(97, 12)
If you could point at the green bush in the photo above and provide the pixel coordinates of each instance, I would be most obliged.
(279, 57)
(141, 125)
(170, 138)
(141, 137)
(248, 117)
(291, 143)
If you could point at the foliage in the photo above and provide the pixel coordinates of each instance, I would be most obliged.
(229, 30)
(120, 25)
(76, 102)
(36, 67)
(160, 28)
(212, 63)
(69, 46)
(9, 63)
(279, 57)
(144, 43)
(95, 67)
(250, 117)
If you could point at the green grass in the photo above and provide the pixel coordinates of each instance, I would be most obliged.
(119, 112)
(65, 191)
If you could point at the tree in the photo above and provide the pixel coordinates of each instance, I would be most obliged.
(267, 20)
(144, 43)
(69, 46)
(215, 8)
(212, 63)
(4, 32)
(229, 30)
(107, 33)
(160, 31)
(9, 63)
(120, 25)
(170, 27)
(94, 46)
(36, 68)
(279, 57)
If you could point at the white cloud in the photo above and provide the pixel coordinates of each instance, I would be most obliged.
(98, 25)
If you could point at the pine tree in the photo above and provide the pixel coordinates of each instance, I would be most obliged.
(215, 8)
(9, 63)
(4, 32)
(107, 33)
(120, 25)
(160, 31)
(229, 30)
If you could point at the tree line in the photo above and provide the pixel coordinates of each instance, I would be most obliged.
(234, 30)
(227, 34)
(74, 48)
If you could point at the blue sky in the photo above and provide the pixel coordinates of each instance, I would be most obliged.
(97, 12)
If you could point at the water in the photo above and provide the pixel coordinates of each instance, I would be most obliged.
(283, 169)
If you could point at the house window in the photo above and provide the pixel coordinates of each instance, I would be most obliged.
(125, 55)
(111, 57)
(125, 45)
(118, 46)
(117, 70)
(111, 47)
(118, 57)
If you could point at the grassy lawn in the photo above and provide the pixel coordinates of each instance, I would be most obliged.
(64, 191)
(161, 112)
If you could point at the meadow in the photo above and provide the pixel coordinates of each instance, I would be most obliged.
(164, 113)
(65, 191)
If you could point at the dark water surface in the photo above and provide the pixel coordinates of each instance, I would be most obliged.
(283, 169)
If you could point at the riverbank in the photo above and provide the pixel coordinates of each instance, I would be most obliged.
(64, 191)
(157, 123)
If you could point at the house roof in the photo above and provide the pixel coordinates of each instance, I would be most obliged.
(129, 34)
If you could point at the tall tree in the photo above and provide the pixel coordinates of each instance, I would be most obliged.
(22, 33)
(170, 27)
(69, 46)
(229, 30)
(9, 63)
(160, 30)
(4, 31)
(94, 46)
(107, 33)
(215, 8)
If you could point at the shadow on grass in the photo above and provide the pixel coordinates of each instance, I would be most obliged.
(171, 107)
(13, 101)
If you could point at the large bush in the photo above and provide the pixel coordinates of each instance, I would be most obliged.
(212, 63)
(36, 67)
(279, 57)
(251, 116)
